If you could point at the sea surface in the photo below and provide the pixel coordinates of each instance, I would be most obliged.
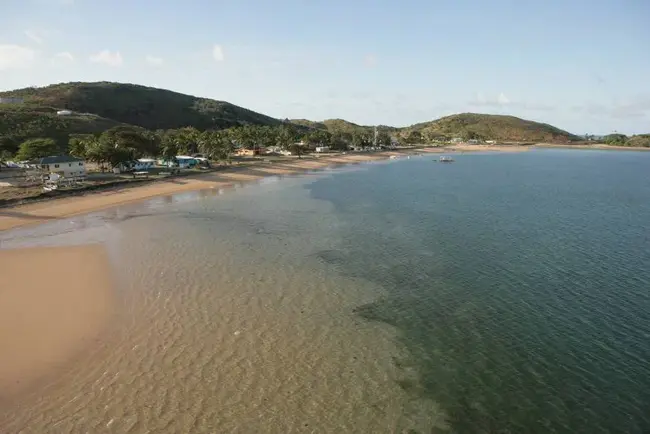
(502, 293)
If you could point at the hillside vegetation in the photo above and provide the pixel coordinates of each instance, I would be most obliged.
(488, 127)
(19, 123)
(334, 126)
(639, 140)
(171, 117)
(143, 106)
(345, 129)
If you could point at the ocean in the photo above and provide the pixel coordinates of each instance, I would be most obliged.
(502, 293)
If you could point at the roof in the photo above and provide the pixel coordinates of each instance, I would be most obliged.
(57, 159)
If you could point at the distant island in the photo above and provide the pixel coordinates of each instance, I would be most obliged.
(82, 119)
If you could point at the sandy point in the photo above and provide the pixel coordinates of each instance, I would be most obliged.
(54, 302)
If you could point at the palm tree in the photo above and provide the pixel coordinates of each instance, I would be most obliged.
(286, 137)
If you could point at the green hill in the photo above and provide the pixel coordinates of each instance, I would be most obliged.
(19, 123)
(490, 127)
(334, 126)
(99, 106)
(341, 126)
(147, 107)
(640, 140)
(309, 124)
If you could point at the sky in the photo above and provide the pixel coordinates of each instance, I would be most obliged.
(581, 65)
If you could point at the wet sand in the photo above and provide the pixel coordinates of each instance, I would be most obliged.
(599, 146)
(53, 302)
(65, 207)
(487, 148)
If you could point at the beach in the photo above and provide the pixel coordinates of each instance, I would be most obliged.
(54, 301)
(220, 324)
(378, 298)
(598, 146)
(39, 212)
(56, 306)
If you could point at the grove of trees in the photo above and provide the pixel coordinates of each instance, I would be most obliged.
(126, 143)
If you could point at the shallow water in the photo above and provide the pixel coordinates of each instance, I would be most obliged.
(228, 322)
(501, 293)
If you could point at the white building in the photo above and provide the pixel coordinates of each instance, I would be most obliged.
(185, 161)
(64, 165)
(144, 164)
(322, 148)
(64, 112)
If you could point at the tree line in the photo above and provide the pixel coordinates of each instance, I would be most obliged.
(617, 139)
(127, 143)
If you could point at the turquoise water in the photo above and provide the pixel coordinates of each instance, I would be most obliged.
(519, 283)
(503, 293)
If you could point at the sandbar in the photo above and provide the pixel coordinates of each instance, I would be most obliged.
(54, 302)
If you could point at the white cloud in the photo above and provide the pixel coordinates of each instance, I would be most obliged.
(635, 107)
(217, 53)
(153, 60)
(34, 35)
(370, 60)
(503, 99)
(63, 58)
(108, 58)
(16, 57)
(482, 100)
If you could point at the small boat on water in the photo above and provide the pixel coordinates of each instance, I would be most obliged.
(444, 159)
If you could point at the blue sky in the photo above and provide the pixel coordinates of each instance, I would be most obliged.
(582, 65)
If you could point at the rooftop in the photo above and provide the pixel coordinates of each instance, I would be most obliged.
(56, 159)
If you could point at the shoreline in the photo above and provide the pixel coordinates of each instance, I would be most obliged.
(84, 202)
(37, 211)
(597, 146)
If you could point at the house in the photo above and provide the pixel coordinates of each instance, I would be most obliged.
(64, 165)
(144, 164)
(322, 149)
(243, 152)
